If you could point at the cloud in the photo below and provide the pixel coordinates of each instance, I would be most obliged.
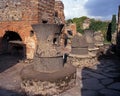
(74, 8)
(102, 8)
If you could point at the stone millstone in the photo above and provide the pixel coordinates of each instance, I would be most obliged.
(79, 41)
(48, 64)
(47, 75)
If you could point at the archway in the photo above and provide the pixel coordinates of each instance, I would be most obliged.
(12, 43)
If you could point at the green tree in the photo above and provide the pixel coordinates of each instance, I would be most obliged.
(69, 21)
(95, 25)
(79, 23)
(113, 24)
(108, 36)
(99, 26)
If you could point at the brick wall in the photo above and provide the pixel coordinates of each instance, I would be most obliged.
(46, 10)
(27, 10)
(18, 15)
(59, 9)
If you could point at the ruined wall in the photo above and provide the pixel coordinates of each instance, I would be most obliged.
(118, 34)
(18, 10)
(46, 10)
(86, 23)
(119, 19)
(71, 27)
(59, 11)
(18, 15)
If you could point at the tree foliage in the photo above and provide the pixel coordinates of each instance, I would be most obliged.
(111, 28)
(95, 25)
(113, 24)
(79, 23)
(109, 36)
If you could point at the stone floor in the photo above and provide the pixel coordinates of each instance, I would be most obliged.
(102, 80)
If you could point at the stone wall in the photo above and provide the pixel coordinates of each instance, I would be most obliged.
(118, 34)
(71, 27)
(46, 10)
(119, 16)
(86, 23)
(18, 10)
(27, 10)
(59, 11)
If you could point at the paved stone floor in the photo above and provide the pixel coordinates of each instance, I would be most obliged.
(101, 80)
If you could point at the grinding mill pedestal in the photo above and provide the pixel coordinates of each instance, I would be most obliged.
(48, 74)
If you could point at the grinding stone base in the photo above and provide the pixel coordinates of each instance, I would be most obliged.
(83, 61)
(48, 84)
(48, 64)
(93, 51)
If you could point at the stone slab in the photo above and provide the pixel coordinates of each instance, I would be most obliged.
(106, 81)
(95, 75)
(115, 86)
(108, 92)
(92, 84)
(89, 93)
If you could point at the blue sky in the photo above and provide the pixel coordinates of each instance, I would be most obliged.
(99, 9)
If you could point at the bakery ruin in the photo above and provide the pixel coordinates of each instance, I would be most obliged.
(35, 31)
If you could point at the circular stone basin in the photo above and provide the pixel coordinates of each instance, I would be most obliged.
(79, 51)
(48, 64)
(36, 83)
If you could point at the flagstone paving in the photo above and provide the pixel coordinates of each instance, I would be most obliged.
(104, 80)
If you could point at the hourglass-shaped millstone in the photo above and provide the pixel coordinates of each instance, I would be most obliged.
(48, 56)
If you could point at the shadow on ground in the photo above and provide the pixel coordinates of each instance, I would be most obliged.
(5, 92)
(103, 79)
(7, 61)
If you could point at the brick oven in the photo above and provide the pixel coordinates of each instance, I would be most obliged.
(16, 17)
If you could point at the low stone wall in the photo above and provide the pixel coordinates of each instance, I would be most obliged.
(82, 61)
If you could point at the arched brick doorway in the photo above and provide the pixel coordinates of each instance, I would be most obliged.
(12, 43)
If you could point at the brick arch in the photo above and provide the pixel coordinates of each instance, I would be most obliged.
(23, 29)
(12, 35)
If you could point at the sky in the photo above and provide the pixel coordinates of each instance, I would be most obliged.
(99, 9)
